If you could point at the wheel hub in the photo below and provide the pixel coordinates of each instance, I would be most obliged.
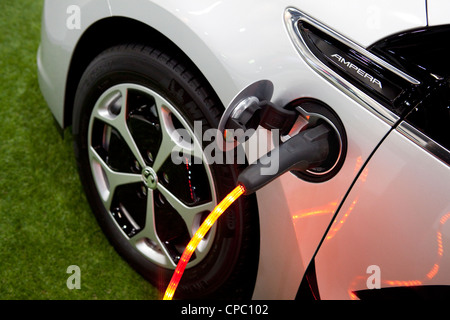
(150, 178)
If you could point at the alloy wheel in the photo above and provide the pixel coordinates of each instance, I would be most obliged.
(144, 158)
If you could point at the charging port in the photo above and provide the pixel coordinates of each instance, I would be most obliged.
(312, 113)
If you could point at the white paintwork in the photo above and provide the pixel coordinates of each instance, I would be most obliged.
(57, 45)
(235, 43)
(214, 34)
(366, 21)
(438, 12)
(406, 234)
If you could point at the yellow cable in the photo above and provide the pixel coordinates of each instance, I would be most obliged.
(198, 236)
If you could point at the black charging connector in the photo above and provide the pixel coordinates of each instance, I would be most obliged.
(254, 113)
(304, 151)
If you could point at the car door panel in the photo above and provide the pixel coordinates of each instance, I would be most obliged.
(396, 218)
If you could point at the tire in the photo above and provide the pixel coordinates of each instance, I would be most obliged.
(131, 103)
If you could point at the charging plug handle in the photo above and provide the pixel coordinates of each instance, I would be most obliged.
(302, 152)
(252, 113)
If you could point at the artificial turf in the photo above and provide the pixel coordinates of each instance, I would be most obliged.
(45, 222)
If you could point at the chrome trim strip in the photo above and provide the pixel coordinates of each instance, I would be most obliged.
(293, 16)
(424, 141)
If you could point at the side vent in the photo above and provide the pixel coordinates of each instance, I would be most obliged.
(379, 86)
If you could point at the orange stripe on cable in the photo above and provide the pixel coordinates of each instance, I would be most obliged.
(198, 236)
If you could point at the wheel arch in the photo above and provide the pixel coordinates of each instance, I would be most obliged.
(115, 30)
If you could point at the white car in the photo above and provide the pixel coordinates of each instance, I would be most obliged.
(371, 221)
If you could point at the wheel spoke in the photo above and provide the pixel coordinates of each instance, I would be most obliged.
(147, 240)
(187, 213)
(118, 121)
(180, 141)
(113, 178)
(165, 150)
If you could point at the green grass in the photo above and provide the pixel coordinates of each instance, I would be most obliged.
(45, 222)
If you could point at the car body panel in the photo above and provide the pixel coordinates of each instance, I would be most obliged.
(58, 43)
(390, 234)
(203, 34)
(375, 19)
(438, 12)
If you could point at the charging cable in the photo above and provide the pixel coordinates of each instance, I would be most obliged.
(302, 152)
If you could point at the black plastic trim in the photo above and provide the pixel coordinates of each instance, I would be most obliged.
(432, 292)
(386, 87)
(309, 290)
(423, 53)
